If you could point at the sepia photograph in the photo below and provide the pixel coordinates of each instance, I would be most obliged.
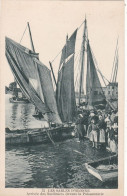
(62, 93)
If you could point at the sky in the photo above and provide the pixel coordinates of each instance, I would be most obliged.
(51, 21)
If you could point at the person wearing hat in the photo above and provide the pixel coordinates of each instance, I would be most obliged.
(115, 127)
(112, 117)
(111, 138)
(107, 119)
(90, 116)
(102, 128)
(89, 129)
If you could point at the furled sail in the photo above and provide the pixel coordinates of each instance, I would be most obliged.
(65, 95)
(34, 79)
(94, 90)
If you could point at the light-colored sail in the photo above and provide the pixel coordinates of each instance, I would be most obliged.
(26, 67)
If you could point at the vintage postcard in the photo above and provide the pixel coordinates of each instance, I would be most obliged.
(61, 98)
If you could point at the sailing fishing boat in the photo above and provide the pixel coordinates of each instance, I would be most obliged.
(34, 80)
(94, 92)
(65, 92)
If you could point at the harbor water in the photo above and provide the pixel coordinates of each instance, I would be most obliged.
(48, 166)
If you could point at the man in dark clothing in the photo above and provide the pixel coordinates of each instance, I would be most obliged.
(80, 126)
(85, 123)
(109, 133)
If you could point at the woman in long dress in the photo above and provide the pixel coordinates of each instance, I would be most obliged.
(111, 138)
(102, 135)
(94, 132)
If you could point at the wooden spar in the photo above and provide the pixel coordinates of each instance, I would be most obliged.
(82, 61)
(31, 40)
(52, 72)
(32, 45)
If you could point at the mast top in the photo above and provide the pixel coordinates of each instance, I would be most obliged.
(32, 45)
(85, 18)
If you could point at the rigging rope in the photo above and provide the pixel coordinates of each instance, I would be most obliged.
(62, 48)
(101, 87)
(116, 70)
(23, 34)
(103, 77)
(81, 25)
(113, 67)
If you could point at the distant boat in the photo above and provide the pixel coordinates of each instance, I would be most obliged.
(104, 169)
(18, 100)
(18, 96)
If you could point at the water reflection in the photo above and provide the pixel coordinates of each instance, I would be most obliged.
(46, 166)
(19, 116)
(14, 115)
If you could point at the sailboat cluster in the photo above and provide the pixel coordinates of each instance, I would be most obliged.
(95, 118)
(58, 107)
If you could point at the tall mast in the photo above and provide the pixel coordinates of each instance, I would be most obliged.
(52, 72)
(32, 45)
(82, 60)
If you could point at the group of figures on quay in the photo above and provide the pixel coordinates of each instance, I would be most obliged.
(100, 127)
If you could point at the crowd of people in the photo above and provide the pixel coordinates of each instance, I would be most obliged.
(100, 127)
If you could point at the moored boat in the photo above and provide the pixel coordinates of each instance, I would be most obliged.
(35, 82)
(39, 136)
(104, 169)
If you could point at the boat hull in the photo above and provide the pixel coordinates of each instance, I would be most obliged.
(39, 136)
(109, 175)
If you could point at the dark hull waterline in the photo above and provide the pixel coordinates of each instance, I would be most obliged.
(39, 136)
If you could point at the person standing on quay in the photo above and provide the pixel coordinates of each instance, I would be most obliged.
(94, 132)
(102, 127)
(80, 127)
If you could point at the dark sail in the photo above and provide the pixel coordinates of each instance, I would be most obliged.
(48, 92)
(65, 91)
(69, 48)
(94, 90)
(26, 67)
(65, 95)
